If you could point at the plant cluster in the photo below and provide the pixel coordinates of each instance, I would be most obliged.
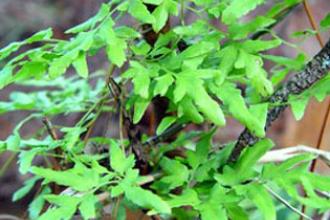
(203, 73)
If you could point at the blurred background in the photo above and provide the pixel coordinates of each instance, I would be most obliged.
(21, 18)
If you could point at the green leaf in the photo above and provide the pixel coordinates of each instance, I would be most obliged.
(165, 123)
(197, 27)
(295, 64)
(140, 106)
(241, 31)
(41, 35)
(198, 49)
(294, 161)
(234, 101)
(67, 207)
(6, 76)
(298, 107)
(304, 33)
(141, 83)
(28, 185)
(90, 23)
(88, 206)
(13, 142)
(116, 47)
(188, 84)
(189, 197)
(318, 181)
(261, 198)
(25, 159)
(212, 208)
(33, 69)
(139, 11)
(72, 136)
(187, 109)
(35, 207)
(212, 211)
(210, 108)
(147, 199)
(236, 212)
(255, 46)
(228, 56)
(176, 174)
(162, 84)
(127, 33)
(116, 51)
(260, 111)
(161, 15)
(6, 51)
(200, 155)
(80, 178)
(255, 72)
(153, 2)
(238, 8)
(80, 64)
(141, 48)
(58, 66)
(325, 22)
(131, 178)
(118, 160)
(251, 155)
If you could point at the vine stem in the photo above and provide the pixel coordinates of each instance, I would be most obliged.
(286, 203)
(182, 2)
(311, 19)
(98, 105)
(7, 163)
(313, 24)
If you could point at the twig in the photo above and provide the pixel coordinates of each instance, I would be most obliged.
(182, 2)
(165, 135)
(99, 104)
(9, 217)
(50, 129)
(286, 203)
(287, 153)
(116, 207)
(53, 134)
(7, 163)
(312, 22)
(279, 17)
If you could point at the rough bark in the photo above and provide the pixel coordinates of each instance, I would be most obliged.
(315, 70)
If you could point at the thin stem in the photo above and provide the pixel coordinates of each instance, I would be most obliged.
(9, 217)
(99, 105)
(182, 2)
(165, 135)
(286, 203)
(121, 121)
(278, 17)
(312, 22)
(116, 207)
(50, 128)
(7, 164)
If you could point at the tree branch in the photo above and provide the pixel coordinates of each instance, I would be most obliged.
(165, 135)
(315, 70)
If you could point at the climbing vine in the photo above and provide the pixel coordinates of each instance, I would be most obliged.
(198, 75)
